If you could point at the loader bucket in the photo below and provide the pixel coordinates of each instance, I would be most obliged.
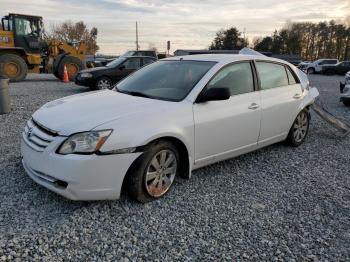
(319, 109)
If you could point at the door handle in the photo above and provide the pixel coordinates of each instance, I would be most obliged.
(297, 96)
(253, 106)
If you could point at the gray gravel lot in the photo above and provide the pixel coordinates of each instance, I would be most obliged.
(279, 203)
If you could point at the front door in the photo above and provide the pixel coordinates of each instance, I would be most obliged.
(129, 66)
(229, 127)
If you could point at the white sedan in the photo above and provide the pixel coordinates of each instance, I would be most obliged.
(163, 121)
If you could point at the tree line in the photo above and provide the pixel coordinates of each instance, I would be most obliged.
(309, 40)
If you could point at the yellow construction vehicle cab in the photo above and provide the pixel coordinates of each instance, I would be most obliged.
(23, 50)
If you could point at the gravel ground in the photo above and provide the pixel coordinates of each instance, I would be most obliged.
(278, 203)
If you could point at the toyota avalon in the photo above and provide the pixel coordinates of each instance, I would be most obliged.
(163, 121)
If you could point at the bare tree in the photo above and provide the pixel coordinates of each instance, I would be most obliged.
(71, 32)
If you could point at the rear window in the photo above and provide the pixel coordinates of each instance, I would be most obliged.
(291, 78)
(271, 75)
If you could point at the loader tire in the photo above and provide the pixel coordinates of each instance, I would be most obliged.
(346, 103)
(55, 65)
(13, 66)
(74, 65)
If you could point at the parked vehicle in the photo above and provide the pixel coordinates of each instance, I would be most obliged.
(141, 53)
(316, 66)
(163, 121)
(105, 77)
(340, 69)
(345, 90)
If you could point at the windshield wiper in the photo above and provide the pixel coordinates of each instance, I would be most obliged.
(133, 93)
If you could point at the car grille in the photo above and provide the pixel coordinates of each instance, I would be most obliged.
(36, 136)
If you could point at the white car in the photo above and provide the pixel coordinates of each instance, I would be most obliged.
(316, 66)
(345, 90)
(165, 120)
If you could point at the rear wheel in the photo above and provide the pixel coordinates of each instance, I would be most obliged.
(299, 129)
(153, 173)
(13, 66)
(346, 103)
(73, 64)
(330, 72)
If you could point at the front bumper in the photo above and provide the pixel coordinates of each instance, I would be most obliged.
(84, 81)
(76, 177)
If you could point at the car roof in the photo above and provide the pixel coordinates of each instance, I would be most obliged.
(225, 58)
(137, 56)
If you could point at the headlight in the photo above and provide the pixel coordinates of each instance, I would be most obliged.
(84, 143)
(85, 75)
(347, 79)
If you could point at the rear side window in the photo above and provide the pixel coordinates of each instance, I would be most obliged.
(237, 77)
(132, 63)
(147, 61)
(271, 75)
(291, 78)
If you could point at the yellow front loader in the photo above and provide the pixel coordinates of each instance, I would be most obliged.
(23, 50)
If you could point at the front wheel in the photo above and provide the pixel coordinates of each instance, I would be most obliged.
(73, 65)
(299, 129)
(153, 173)
(311, 71)
(103, 83)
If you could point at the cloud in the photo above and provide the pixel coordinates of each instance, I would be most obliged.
(186, 23)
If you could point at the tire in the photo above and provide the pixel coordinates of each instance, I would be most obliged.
(13, 66)
(330, 72)
(298, 133)
(311, 71)
(145, 182)
(103, 83)
(74, 65)
(346, 103)
(55, 66)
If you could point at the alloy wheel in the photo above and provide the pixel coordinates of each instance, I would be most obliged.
(161, 173)
(300, 127)
(104, 84)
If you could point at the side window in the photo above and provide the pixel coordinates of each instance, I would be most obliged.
(132, 63)
(271, 75)
(236, 77)
(147, 61)
(291, 78)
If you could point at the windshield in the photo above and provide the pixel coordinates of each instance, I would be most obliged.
(166, 80)
(116, 62)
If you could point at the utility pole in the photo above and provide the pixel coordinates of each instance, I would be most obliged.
(137, 37)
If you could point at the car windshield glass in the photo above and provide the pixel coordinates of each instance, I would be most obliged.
(116, 62)
(166, 80)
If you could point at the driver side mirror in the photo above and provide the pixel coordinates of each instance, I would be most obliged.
(214, 94)
(122, 67)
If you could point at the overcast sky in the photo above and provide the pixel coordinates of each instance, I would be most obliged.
(188, 24)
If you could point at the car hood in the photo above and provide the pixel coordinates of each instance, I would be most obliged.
(95, 69)
(83, 112)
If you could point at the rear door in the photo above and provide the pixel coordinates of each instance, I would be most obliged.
(229, 127)
(281, 96)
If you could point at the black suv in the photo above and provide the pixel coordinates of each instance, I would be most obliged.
(340, 69)
(105, 77)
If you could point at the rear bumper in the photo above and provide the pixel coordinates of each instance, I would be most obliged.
(77, 177)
